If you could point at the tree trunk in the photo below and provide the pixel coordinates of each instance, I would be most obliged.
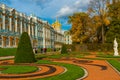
(103, 37)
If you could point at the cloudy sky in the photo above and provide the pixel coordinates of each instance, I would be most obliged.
(49, 9)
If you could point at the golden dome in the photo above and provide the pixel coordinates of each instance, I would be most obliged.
(56, 25)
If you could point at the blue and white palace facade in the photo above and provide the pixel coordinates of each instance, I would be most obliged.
(14, 23)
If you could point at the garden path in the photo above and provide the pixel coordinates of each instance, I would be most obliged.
(97, 69)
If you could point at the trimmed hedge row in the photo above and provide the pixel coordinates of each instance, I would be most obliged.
(100, 47)
(91, 47)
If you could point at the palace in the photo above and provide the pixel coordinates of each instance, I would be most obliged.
(68, 37)
(14, 23)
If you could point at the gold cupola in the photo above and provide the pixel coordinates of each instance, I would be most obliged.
(57, 25)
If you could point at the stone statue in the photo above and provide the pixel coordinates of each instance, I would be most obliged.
(115, 48)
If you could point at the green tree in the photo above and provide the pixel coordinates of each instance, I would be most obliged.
(114, 30)
(24, 52)
(64, 49)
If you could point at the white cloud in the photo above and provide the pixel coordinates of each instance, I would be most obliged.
(66, 10)
(77, 6)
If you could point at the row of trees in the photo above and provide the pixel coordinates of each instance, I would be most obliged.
(100, 24)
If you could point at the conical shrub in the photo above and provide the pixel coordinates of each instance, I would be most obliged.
(24, 52)
(64, 49)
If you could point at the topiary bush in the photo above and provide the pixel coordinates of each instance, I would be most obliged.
(64, 49)
(24, 52)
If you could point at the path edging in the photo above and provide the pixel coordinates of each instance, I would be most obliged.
(6, 57)
(65, 70)
(85, 75)
(112, 67)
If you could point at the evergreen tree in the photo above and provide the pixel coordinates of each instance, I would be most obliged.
(24, 52)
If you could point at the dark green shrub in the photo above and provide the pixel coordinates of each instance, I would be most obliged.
(71, 46)
(100, 47)
(24, 52)
(64, 49)
(49, 49)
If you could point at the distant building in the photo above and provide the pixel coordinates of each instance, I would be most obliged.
(57, 27)
(68, 38)
(14, 23)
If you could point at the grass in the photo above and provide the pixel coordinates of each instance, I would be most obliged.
(58, 56)
(17, 69)
(52, 56)
(7, 51)
(115, 63)
(109, 56)
(73, 71)
(106, 55)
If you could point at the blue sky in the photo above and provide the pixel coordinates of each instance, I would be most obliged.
(49, 9)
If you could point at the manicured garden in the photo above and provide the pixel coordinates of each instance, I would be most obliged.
(73, 71)
(24, 54)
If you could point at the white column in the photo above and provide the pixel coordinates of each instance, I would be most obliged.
(10, 23)
(29, 29)
(36, 30)
(21, 27)
(32, 30)
(16, 25)
(44, 37)
(3, 20)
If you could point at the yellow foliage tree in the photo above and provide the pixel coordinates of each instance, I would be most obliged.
(80, 27)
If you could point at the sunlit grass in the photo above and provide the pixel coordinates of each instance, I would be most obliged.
(115, 63)
(17, 69)
(7, 51)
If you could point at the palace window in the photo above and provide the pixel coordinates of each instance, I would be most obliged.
(0, 26)
(7, 41)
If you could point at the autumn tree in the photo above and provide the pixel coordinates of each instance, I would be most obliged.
(80, 27)
(99, 8)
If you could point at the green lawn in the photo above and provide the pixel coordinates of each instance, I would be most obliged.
(115, 63)
(106, 55)
(7, 51)
(73, 71)
(58, 56)
(17, 69)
